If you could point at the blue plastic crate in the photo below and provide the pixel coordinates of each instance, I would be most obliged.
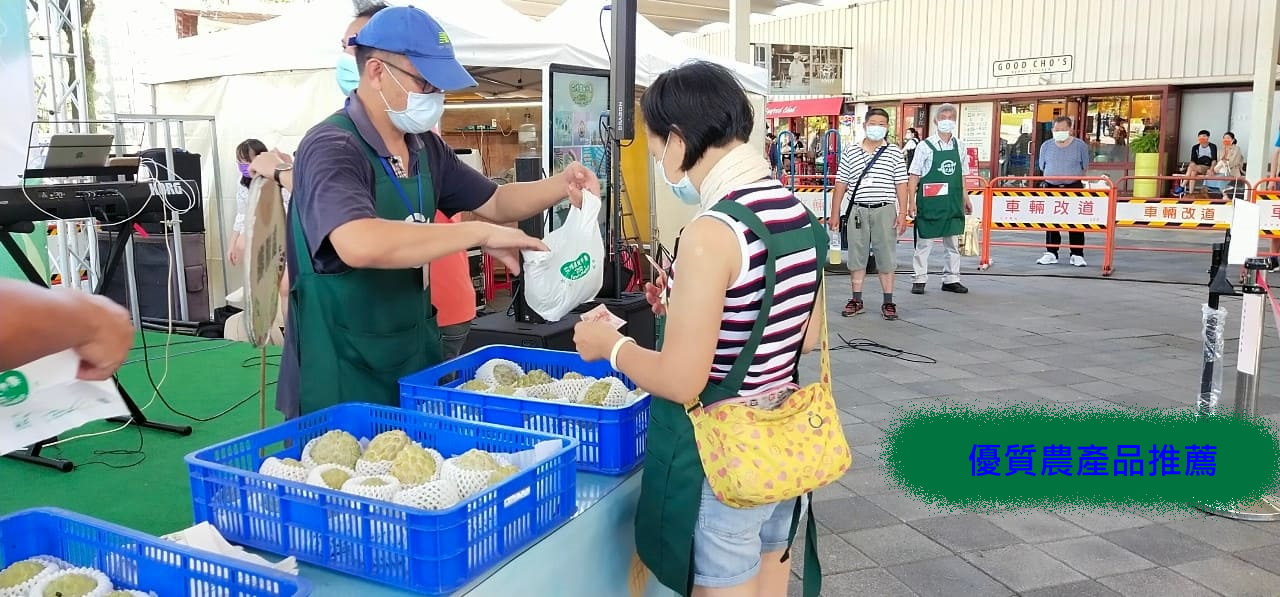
(610, 440)
(137, 561)
(433, 552)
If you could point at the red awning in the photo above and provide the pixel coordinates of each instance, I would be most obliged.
(823, 106)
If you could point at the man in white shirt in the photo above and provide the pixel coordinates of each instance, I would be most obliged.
(939, 202)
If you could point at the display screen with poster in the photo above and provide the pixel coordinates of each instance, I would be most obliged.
(579, 98)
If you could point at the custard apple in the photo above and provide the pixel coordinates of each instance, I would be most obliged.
(77, 582)
(536, 377)
(475, 385)
(499, 372)
(20, 573)
(573, 375)
(415, 465)
(332, 476)
(502, 473)
(335, 447)
(504, 390)
(386, 445)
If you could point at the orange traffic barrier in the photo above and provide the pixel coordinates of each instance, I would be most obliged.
(1021, 203)
(1267, 195)
(1178, 213)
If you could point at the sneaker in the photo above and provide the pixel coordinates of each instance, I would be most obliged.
(1078, 261)
(853, 307)
(917, 288)
(1047, 259)
(955, 287)
(889, 311)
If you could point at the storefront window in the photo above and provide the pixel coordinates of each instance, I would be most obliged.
(1016, 122)
(1112, 122)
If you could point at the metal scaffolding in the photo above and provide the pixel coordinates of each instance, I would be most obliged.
(61, 91)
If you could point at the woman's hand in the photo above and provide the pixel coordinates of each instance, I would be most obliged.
(594, 339)
(236, 252)
(265, 163)
(655, 293)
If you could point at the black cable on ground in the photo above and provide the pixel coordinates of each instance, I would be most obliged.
(246, 364)
(876, 348)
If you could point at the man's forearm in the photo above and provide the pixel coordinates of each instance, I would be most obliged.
(837, 198)
(913, 184)
(520, 200)
(384, 244)
(36, 322)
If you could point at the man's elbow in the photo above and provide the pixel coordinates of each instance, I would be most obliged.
(356, 254)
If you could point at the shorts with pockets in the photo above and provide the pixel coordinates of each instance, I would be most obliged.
(878, 230)
(728, 542)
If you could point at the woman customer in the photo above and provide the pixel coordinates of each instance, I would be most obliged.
(1231, 162)
(698, 122)
(245, 152)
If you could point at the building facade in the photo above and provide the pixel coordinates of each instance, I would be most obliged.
(1120, 68)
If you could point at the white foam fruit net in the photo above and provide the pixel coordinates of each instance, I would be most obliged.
(373, 468)
(37, 569)
(499, 372)
(569, 389)
(124, 593)
(287, 469)
(608, 392)
(376, 488)
(471, 471)
(85, 582)
(331, 476)
(440, 494)
(547, 391)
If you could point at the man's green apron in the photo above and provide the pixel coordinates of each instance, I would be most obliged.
(671, 484)
(361, 330)
(940, 195)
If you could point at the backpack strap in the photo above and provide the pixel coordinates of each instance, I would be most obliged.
(776, 245)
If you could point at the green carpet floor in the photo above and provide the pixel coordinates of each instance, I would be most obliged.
(205, 378)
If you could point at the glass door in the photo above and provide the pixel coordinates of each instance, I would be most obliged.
(1017, 124)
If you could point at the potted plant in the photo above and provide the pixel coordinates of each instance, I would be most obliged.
(1146, 162)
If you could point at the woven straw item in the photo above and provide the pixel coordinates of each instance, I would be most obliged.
(42, 588)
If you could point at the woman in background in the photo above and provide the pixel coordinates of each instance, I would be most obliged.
(245, 152)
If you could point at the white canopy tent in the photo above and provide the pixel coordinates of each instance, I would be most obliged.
(274, 80)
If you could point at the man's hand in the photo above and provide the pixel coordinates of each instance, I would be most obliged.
(833, 223)
(110, 338)
(505, 243)
(902, 223)
(968, 207)
(266, 163)
(578, 178)
(236, 252)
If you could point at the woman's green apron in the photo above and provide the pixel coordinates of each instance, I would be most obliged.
(361, 330)
(671, 484)
(941, 214)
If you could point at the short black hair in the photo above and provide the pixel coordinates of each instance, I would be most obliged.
(1204, 132)
(363, 54)
(703, 103)
(876, 112)
(370, 9)
(1066, 119)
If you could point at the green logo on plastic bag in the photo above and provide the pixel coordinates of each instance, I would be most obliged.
(577, 268)
(13, 388)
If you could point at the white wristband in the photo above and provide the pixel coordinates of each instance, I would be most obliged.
(617, 346)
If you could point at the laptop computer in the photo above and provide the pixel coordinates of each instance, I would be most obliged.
(78, 151)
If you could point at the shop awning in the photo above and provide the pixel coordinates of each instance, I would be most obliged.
(823, 106)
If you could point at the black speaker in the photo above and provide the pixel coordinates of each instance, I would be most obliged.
(529, 169)
(151, 264)
(186, 171)
(622, 70)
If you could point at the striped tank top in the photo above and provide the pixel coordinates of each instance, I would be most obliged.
(794, 293)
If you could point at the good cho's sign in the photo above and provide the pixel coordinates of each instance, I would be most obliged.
(1032, 66)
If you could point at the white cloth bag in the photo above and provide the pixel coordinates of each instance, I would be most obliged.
(573, 271)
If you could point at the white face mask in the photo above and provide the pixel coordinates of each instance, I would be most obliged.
(946, 126)
(876, 132)
(1061, 136)
(421, 113)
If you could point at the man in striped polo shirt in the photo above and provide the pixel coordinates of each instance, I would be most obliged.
(873, 180)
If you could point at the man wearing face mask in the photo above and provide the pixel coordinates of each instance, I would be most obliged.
(938, 201)
(367, 182)
(1063, 155)
(873, 179)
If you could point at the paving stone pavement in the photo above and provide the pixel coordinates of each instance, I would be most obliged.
(1047, 334)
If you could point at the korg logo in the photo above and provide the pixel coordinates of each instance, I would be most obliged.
(166, 188)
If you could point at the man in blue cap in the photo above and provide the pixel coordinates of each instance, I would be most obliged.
(366, 184)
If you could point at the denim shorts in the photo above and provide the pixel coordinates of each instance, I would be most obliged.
(728, 542)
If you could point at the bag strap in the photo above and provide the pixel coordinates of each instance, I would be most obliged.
(785, 243)
(848, 209)
(811, 582)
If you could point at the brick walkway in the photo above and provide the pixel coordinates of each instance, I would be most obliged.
(1046, 340)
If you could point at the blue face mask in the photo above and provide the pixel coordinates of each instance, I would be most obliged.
(421, 113)
(683, 190)
(348, 74)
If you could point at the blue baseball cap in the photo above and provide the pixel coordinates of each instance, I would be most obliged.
(412, 32)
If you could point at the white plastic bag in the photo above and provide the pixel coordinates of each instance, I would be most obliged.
(573, 271)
